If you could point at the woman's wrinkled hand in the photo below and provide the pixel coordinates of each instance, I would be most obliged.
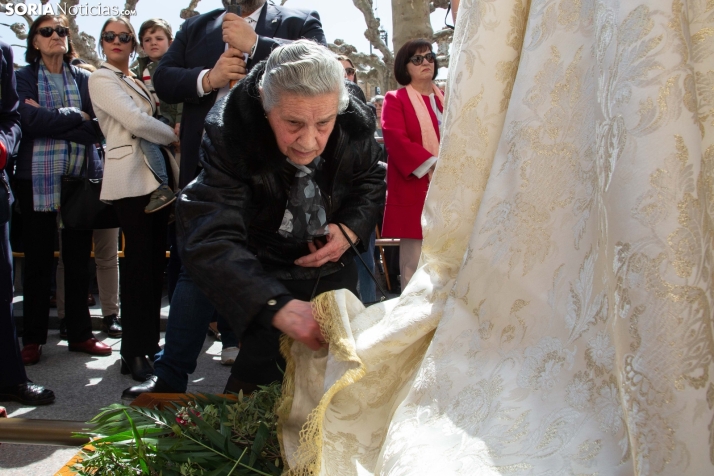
(331, 251)
(296, 320)
(32, 102)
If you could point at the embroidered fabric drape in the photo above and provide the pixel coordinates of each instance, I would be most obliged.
(561, 320)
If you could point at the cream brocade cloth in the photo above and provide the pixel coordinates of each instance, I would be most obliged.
(561, 320)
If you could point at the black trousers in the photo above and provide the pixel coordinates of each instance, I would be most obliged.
(39, 230)
(259, 360)
(142, 275)
(12, 371)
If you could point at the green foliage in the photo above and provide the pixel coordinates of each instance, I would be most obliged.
(211, 436)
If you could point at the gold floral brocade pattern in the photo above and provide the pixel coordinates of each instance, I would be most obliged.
(561, 321)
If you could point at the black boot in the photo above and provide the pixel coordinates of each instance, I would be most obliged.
(152, 385)
(139, 367)
(111, 326)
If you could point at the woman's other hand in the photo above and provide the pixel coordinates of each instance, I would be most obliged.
(32, 102)
(296, 320)
(331, 251)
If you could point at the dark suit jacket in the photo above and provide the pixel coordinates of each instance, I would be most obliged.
(198, 45)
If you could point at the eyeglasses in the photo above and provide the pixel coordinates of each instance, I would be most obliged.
(109, 36)
(46, 31)
(349, 71)
(417, 60)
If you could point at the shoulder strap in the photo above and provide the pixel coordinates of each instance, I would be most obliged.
(359, 255)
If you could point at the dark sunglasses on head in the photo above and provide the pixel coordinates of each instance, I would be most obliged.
(46, 31)
(350, 71)
(109, 36)
(416, 60)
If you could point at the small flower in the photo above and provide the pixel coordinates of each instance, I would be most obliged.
(579, 392)
(600, 354)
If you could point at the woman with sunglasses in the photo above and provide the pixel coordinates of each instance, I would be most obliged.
(411, 117)
(58, 137)
(125, 111)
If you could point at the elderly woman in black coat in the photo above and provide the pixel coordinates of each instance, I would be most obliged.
(291, 175)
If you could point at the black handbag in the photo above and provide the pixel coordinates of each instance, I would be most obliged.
(80, 207)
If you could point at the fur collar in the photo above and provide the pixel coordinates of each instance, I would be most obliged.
(246, 134)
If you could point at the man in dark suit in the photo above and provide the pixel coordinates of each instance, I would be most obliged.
(212, 47)
(210, 52)
(14, 384)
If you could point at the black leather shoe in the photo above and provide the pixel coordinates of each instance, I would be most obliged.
(139, 367)
(28, 394)
(152, 385)
(111, 326)
(63, 329)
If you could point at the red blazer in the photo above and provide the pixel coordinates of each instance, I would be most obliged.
(405, 192)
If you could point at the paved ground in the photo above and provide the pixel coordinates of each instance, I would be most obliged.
(84, 384)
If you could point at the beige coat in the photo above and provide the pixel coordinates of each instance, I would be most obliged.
(125, 114)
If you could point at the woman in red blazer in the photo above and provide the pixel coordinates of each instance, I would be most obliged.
(410, 123)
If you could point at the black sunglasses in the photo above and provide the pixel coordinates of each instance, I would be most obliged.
(109, 36)
(350, 71)
(46, 31)
(416, 60)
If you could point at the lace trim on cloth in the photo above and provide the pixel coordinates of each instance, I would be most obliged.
(308, 458)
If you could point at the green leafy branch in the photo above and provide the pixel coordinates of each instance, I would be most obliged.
(212, 436)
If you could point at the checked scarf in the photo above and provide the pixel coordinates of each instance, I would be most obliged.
(53, 158)
(305, 216)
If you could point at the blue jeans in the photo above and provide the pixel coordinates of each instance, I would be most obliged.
(156, 160)
(189, 316)
(228, 337)
(365, 284)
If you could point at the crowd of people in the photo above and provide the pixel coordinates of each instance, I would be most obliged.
(247, 148)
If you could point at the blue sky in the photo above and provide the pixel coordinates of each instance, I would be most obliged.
(340, 18)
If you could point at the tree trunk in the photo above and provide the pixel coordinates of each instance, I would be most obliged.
(85, 46)
(410, 20)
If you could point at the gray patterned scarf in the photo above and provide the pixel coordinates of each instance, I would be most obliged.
(305, 216)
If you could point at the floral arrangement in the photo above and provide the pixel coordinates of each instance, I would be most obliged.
(211, 435)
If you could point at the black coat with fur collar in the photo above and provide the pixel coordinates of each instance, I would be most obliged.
(227, 219)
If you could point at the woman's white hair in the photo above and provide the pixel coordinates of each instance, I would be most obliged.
(305, 68)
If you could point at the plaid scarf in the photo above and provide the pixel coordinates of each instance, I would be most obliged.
(53, 158)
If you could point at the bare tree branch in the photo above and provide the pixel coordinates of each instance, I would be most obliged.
(438, 4)
(372, 32)
(443, 39)
(371, 67)
(20, 31)
(129, 6)
(84, 45)
(190, 11)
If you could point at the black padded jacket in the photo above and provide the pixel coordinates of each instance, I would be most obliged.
(228, 218)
